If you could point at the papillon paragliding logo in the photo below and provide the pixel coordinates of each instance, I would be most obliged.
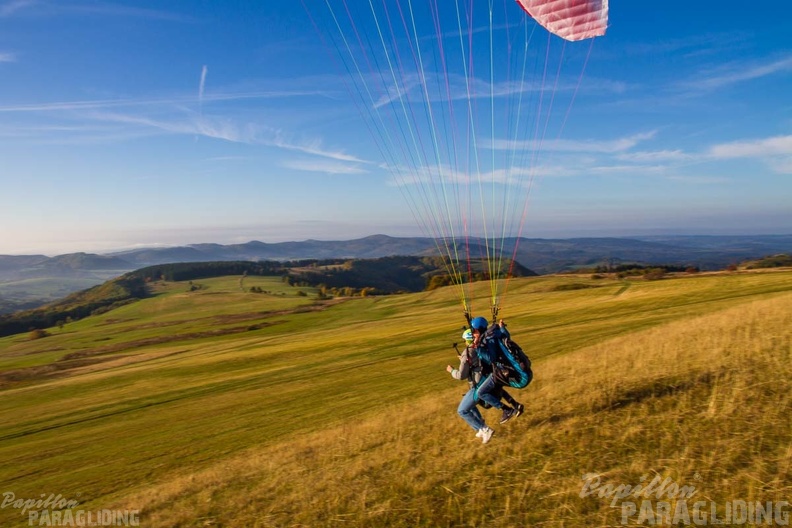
(458, 97)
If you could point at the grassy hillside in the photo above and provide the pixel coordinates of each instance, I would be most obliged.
(221, 407)
(330, 278)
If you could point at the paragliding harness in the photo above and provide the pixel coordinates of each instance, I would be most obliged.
(504, 358)
(477, 371)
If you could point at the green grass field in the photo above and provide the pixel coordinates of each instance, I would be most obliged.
(219, 407)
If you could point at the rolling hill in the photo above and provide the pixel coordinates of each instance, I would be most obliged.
(29, 281)
(220, 407)
(383, 276)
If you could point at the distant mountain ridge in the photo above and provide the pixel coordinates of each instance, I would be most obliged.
(39, 277)
(541, 255)
(374, 246)
(74, 265)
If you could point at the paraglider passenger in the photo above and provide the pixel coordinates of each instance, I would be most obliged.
(470, 370)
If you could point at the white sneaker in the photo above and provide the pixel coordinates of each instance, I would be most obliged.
(480, 432)
(486, 434)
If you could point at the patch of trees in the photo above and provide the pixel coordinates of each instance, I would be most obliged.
(443, 279)
(326, 292)
(639, 269)
(649, 272)
(388, 275)
(203, 270)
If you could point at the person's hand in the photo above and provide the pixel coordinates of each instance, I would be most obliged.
(502, 323)
(449, 368)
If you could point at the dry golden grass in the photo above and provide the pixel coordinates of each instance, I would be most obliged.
(704, 401)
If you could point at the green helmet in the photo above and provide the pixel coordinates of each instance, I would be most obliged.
(467, 335)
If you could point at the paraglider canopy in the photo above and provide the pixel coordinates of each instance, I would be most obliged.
(570, 19)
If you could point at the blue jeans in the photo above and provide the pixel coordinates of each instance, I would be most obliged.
(486, 390)
(469, 412)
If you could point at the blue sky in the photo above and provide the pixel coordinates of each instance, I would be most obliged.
(141, 123)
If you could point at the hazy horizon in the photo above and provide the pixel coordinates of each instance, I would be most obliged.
(106, 250)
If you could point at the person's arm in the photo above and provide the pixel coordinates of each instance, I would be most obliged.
(464, 368)
(502, 325)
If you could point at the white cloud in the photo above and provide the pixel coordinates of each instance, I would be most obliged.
(202, 83)
(461, 88)
(775, 151)
(655, 156)
(213, 128)
(324, 166)
(173, 116)
(228, 130)
(632, 169)
(566, 145)
(445, 175)
(757, 148)
(308, 146)
(119, 103)
(7, 57)
(706, 43)
(738, 72)
(46, 8)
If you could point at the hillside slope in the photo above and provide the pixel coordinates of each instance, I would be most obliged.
(703, 403)
(217, 406)
(63, 274)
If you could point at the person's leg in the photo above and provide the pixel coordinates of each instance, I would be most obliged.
(469, 412)
(486, 392)
(517, 406)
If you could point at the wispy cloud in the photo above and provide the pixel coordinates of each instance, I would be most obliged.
(629, 169)
(456, 87)
(117, 103)
(125, 11)
(655, 156)
(9, 8)
(202, 83)
(700, 44)
(445, 175)
(65, 134)
(178, 115)
(7, 57)
(567, 145)
(324, 166)
(45, 8)
(734, 73)
(776, 152)
(309, 146)
(230, 130)
(755, 148)
(190, 124)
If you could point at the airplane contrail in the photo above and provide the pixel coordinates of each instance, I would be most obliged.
(204, 70)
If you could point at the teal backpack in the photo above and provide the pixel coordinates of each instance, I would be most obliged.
(509, 363)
